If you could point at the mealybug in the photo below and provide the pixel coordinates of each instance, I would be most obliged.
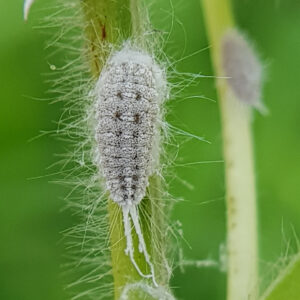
(243, 69)
(129, 94)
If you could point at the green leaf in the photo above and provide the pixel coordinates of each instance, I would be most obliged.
(287, 284)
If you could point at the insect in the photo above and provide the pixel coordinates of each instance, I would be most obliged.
(129, 95)
(243, 69)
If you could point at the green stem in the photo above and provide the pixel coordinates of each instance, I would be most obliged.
(239, 170)
(122, 268)
(110, 23)
(138, 20)
(157, 211)
(107, 23)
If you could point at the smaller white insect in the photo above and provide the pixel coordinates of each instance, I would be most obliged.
(129, 95)
(243, 69)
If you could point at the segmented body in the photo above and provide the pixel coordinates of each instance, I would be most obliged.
(129, 94)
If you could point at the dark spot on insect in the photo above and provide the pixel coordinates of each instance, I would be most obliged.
(137, 167)
(118, 115)
(136, 118)
(134, 177)
(133, 187)
(135, 134)
(119, 95)
(132, 196)
(138, 96)
(123, 187)
(119, 133)
(125, 197)
(135, 156)
(117, 157)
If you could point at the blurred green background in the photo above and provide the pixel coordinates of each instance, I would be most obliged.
(31, 216)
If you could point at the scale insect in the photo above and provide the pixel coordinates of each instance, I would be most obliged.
(128, 98)
(243, 69)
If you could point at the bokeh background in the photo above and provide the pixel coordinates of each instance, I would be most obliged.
(31, 215)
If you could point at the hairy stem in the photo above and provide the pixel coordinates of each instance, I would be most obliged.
(239, 170)
(109, 24)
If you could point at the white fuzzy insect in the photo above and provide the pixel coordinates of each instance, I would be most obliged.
(243, 69)
(129, 94)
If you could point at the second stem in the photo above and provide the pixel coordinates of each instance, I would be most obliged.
(239, 170)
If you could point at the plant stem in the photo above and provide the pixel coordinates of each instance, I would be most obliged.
(239, 170)
(122, 267)
(110, 23)
(137, 15)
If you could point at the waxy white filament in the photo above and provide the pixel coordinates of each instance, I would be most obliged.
(27, 5)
